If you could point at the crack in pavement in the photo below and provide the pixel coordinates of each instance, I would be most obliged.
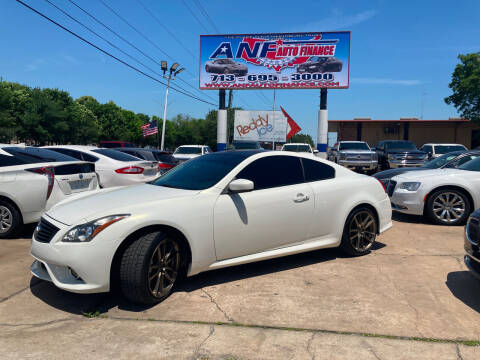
(371, 349)
(18, 292)
(212, 300)
(199, 347)
(309, 344)
(40, 323)
(459, 355)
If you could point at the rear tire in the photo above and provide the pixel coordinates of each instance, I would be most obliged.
(150, 268)
(448, 207)
(359, 232)
(10, 219)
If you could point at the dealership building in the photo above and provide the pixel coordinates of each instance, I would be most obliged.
(452, 130)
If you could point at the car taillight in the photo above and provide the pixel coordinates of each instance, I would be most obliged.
(164, 166)
(130, 170)
(383, 185)
(49, 173)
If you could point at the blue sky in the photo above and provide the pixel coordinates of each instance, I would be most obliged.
(401, 52)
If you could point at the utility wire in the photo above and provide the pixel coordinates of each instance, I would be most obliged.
(205, 14)
(195, 16)
(109, 54)
(135, 47)
(110, 43)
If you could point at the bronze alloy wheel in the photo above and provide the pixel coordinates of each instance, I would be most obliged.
(362, 231)
(163, 268)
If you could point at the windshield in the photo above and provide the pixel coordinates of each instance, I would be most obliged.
(116, 155)
(202, 172)
(473, 165)
(246, 145)
(400, 145)
(188, 150)
(443, 149)
(440, 161)
(353, 146)
(297, 148)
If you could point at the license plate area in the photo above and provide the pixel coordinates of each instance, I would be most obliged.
(150, 172)
(77, 185)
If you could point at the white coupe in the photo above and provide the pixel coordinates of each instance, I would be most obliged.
(445, 196)
(214, 211)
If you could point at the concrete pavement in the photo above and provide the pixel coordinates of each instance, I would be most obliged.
(412, 295)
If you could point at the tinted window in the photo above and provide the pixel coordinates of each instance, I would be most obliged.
(273, 171)
(400, 145)
(353, 146)
(189, 150)
(466, 159)
(30, 155)
(428, 149)
(88, 157)
(167, 158)
(7, 160)
(316, 170)
(297, 148)
(473, 165)
(73, 153)
(116, 155)
(245, 145)
(440, 161)
(202, 172)
(443, 149)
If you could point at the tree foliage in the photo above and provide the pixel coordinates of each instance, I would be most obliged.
(302, 138)
(465, 85)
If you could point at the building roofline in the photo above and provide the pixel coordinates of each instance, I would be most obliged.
(413, 120)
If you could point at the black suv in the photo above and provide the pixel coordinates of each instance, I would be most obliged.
(472, 243)
(394, 154)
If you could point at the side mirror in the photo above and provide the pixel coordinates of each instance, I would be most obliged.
(315, 151)
(240, 185)
(373, 149)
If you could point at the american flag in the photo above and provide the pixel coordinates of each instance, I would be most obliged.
(150, 128)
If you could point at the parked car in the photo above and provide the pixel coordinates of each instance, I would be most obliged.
(321, 65)
(445, 196)
(113, 168)
(447, 161)
(165, 160)
(187, 152)
(226, 66)
(355, 155)
(116, 144)
(436, 150)
(472, 244)
(394, 154)
(214, 211)
(244, 145)
(299, 147)
(34, 179)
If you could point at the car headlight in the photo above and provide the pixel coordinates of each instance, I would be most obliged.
(410, 186)
(342, 156)
(86, 232)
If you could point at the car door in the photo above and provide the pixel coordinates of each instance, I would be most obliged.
(278, 212)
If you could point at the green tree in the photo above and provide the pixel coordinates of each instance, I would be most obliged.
(302, 138)
(465, 85)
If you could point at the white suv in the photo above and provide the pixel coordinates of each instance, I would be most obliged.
(436, 150)
(299, 147)
(187, 152)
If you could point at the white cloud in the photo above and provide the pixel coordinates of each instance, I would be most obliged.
(337, 21)
(385, 81)
(35, 64)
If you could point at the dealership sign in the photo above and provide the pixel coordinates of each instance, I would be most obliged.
(260, 126)
(275, 61)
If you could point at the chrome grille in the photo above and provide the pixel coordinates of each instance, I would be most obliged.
(45, 231)
(359, 157)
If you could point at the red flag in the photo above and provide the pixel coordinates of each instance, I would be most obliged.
(292, 127)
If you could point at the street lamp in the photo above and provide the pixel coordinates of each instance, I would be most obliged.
(171, 76)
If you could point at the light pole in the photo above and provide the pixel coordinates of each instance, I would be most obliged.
(171, 76)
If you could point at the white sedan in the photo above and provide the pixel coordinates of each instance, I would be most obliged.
(187, 152)
(445, 196)
(34, 179)
(113, 167)
(214, 211)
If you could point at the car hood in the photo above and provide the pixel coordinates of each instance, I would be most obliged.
(388, 174)
(410, 152)
(422, 175)
(112, 201)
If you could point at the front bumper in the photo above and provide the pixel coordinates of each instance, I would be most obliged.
(394, 164)
(75, 267)
(407, 202)
(472, 258)
(361, 165)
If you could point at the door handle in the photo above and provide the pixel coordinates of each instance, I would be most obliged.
(301, 198)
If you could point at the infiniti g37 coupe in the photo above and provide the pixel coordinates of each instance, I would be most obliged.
(217, 210)
(321, 65)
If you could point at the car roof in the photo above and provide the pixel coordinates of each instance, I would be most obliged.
(131, 149)
(192, 146)
(443, 144)
(296, 144)
(352, 141)
(74, 147)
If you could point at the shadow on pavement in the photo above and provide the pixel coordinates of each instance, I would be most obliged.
(406, 218)
(89, 304)
(465, 287)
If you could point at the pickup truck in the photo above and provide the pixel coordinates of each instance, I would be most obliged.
(355, 155)
(393, 154)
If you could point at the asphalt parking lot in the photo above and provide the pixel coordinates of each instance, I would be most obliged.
(411, 298)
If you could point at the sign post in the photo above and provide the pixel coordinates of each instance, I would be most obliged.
(322, 133)
(221, 122)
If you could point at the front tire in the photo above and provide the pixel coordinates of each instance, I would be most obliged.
(150, 267)
(360, 232)
(448, 207)
(10, 220)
